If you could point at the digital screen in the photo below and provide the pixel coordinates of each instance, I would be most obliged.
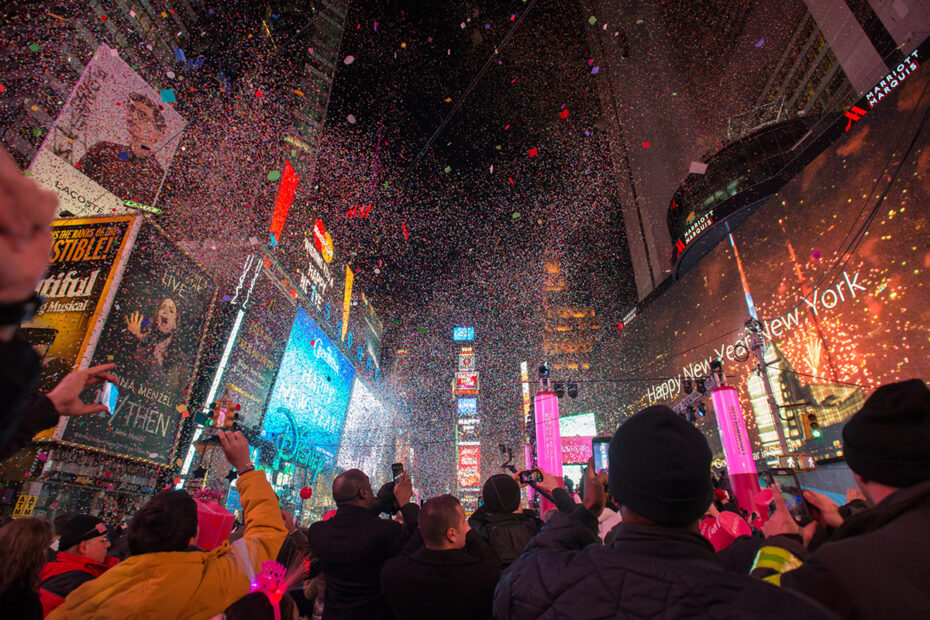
(259, 345)
(468, 407)
(601, 450)
(582, 425)
(466, 383)
(469, 466)
(368, 438)
(463, 334)
(841, 312)
(308, 403)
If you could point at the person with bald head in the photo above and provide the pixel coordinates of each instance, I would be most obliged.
(354, 545)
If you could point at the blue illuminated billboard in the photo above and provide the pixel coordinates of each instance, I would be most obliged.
(308, 403)
(462, 334)
(468, 407)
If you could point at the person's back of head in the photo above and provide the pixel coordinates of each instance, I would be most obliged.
(442, 523)
(660, 469)
(501, 494)
(22, 551)
(888, 441)
(167, 522)
(257, 606)
(353, 488)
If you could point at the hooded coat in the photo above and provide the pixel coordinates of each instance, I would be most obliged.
(187, 584)
(66, 573)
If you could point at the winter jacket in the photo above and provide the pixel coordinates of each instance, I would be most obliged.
(875, 565)
(21, 602)
(453, 584)
(649, 572)
(68, 571)
(187, 584)
(19, 375)
(509, 533)
(352, 548)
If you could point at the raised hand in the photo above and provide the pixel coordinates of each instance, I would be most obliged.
(134, 324)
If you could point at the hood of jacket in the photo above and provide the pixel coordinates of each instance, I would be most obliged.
(154, 585)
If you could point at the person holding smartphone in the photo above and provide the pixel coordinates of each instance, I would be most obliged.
(874, 565)
(659, 566)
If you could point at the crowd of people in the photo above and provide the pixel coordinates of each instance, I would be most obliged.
(628, 544)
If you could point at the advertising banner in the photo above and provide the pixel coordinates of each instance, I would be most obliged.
(576, 450)
(468, 407)
(77, 194)
(468, 430)
(467, 362)
(308, 403)
(260, 342)
(153, 334)
(114, 129)
(466, 383)
(836, 275)
(84, 257)
(469, 467)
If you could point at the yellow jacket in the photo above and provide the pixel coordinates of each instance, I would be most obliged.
(186, 584)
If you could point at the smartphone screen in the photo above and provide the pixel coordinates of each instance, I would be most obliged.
(397, 470)
(600, 447)
(108, 396)
(787, 482)
(530, 475)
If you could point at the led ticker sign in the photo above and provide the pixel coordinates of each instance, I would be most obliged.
(463, 334)
(468, 407)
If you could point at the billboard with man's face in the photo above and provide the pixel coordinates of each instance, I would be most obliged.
(152, 333)
(113, 140)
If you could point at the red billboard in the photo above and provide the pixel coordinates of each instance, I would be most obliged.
(469, 469)
(466, 383)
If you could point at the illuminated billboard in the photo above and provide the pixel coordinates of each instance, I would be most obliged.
(466, 383)
(842, 311)
(114, 129)
(152, 332)
(467, 361)
(469, 467)
(467, 431)
(468, 407)
(368, 438)
(308, 402)
(463, 334)
(85, 253)
(259, 343)
(581, 425)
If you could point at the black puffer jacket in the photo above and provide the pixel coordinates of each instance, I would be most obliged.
(649, 572)
(875, 565)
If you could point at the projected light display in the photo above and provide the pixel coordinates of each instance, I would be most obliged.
(308, 404)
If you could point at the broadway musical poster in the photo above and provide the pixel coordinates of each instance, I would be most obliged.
(153, 334)
(85, 253)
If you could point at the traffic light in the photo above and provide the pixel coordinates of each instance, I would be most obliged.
(814, 425)
(213, 419)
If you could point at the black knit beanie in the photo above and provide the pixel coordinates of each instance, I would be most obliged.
(660, 467)
(888, 440)
(80, 528)
(501, 494)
